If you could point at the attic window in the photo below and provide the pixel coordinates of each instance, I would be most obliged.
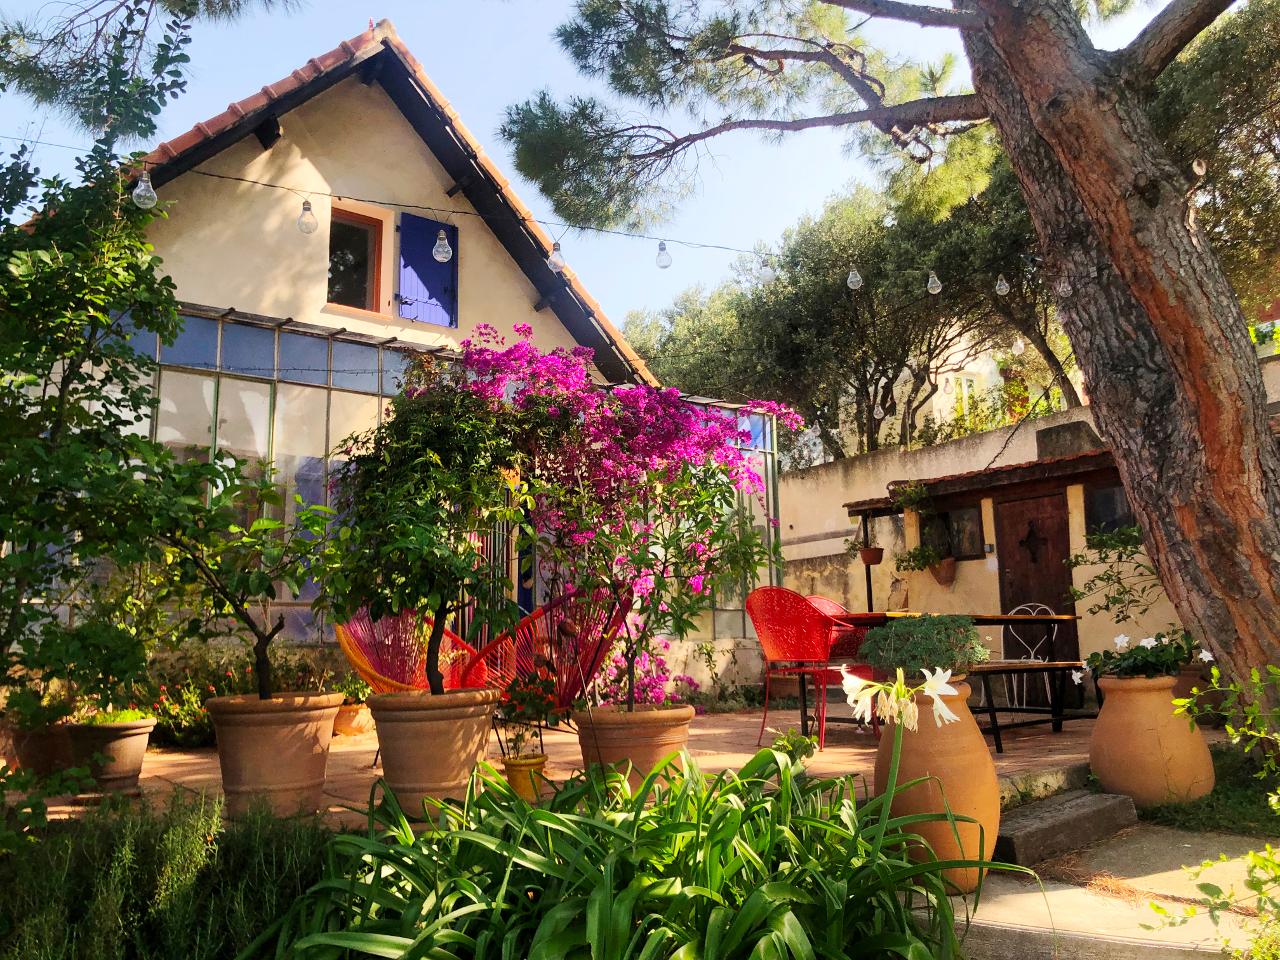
(355, 253)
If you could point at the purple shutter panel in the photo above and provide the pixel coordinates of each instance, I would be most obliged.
(428, 288)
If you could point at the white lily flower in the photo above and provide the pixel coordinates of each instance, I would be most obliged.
(1147, 642)
(935, 686)
(860, 693)
(1077, 677)
(1206, 656)
(1122, 642)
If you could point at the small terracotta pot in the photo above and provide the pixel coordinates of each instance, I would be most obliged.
(44, 751)
(525, 775)
(871, 556)
(275, 750)
(123, 745)
(431, 743)
(1139, 747)
(956, 757)
(610, 735)
(352, 720)
(944, 571)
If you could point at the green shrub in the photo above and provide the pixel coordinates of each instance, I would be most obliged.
(145, 885)
(914, 643)
(763, 863)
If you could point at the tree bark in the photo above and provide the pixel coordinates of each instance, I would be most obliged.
(1174, 382)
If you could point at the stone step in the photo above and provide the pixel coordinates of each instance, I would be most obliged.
(1059, 824)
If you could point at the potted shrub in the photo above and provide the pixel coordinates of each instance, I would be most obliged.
(928, 557)
(416, 500)
(273, 746)
(528, 704)
(1140, 746)
(870, 552)
(944, 766)
(353, 717)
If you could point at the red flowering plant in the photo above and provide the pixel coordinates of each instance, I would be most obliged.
(528, 704)
(641, 492)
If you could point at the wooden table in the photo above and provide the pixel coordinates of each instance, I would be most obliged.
(880, 618)
(1058, 672)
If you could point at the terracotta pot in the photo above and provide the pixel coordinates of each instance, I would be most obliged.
(431, 743)
(956, 756)
(525, 775)
(944, 571)
(274, 751)
(123, 745)
(610, 735)
(43, 751)
(1139, 747)
(352, 720)
(871, 556)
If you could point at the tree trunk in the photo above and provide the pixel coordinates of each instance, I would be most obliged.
(1174, 383)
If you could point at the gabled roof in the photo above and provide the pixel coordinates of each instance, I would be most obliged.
(379, 56)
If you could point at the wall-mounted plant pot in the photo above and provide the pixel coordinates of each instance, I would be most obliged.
(944, 571)
(113, 752)
(871, 556)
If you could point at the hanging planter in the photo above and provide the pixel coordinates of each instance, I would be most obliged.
(871, 556)
(944, 571)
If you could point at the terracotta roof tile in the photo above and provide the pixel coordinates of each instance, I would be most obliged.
(361, 45)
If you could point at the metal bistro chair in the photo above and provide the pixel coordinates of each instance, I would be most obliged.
(1041, 648)
(796, 638)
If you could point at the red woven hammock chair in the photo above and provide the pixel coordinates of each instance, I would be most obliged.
(390, 653)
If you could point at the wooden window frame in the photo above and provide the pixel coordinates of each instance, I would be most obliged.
(376, 226)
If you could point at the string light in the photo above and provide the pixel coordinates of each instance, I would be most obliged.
(144, 194)
(1019, 347)
(307, 221)
(442, 251)
(1062, 287)
(934, 285)
(1002, 286)
(767, 273)
(663, 259)
(946, 385)
(556, 260)
(878, 412)
(854, 280)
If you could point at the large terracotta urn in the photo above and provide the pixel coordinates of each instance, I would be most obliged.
(431, 743)
(1142, 749)
(113, 752)
(963, 778)
(609, 735)
(274, 751)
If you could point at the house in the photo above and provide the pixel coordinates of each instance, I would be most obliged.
(320, 232)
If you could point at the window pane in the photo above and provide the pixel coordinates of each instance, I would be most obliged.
(250, 350)
(1106, 509)
(350, 262)
(350, 413)
(394, 364)
(243, 418)
(195, 346)
(355, 366)
(966, 533)
(300, 444)
(184, 419)
(304, 359)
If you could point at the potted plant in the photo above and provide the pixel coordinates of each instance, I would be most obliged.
(416, 501)
(1140, 746)
(273, 746)
(942, 767)
(870, 552)
(528, 705)
(928, 557)
(353, 717)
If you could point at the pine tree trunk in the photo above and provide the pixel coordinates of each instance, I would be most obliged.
(1173, 379)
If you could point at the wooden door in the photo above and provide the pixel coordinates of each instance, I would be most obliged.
(1033, 544)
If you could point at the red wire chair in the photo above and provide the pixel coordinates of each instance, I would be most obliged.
(571, 634)
(796, 638)
(390, 653)
(846, 638)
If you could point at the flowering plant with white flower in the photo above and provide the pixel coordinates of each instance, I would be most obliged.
(1161, 655)
(894, 701)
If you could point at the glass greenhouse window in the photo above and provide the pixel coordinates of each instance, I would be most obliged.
(304, 359)
(195, 346)
(355, 366)
(249, 350)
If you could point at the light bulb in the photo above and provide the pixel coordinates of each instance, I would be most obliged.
(1019, 347)
(946, 385)
(1062, 287)
(767, 273)
(144, 195)
(442, 251)
(878, 412)
(934, 285)
(1002, 286)
(556, 260)
(663, 260)
(307, 221)
(855, 279)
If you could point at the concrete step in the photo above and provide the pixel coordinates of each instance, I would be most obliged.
(1059, 824)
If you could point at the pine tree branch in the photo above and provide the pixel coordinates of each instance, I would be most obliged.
(1168, 34)
(913, 13)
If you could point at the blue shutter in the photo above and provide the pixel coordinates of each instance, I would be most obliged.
(428, 289)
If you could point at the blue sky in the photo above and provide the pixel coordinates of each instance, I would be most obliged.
(487, 54)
